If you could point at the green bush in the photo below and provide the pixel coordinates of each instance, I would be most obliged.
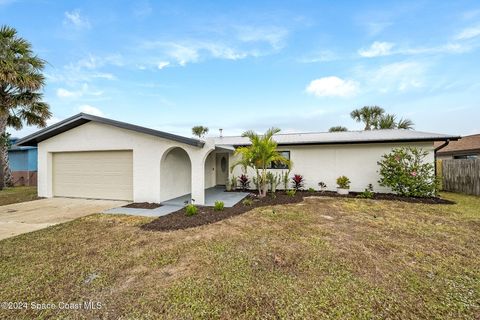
(406, 172)
(291, 193)
(343, 182)
(311, 190)
(367, 193)
(219, 206)
(191, 210)
(247, 202)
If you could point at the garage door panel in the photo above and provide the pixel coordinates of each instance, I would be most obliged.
(96, 174)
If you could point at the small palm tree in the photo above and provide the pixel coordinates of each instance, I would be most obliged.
(368, 115)
(21, 81)
(405, 124)
(337, 129)
(199, 131)
(259, 155)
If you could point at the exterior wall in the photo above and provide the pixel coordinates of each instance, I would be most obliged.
(23, 159)
(147, 154)
(176, 172)
(210, 180)
(23, 164)
(327, 162)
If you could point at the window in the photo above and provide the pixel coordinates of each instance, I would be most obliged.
(278, 165)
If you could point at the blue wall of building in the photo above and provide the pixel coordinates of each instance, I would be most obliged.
(23, 159)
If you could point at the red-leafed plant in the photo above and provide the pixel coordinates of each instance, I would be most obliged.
(298, 181)
(244, 182)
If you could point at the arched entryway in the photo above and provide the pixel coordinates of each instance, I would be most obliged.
(175, 174)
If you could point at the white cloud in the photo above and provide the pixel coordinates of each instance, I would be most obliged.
(64, 93)
(86, 108)
(73, 94)
(162, 64)
(332, 87)
(398, 76)
(377, 49)
(74, 18)
(274, 36)
(468, 33)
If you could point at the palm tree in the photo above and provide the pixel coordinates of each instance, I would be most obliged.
(199, 131)
(337, 129)
(368, 115)
(405, 124)
(21, 81)
(259, 155)
(388, 121)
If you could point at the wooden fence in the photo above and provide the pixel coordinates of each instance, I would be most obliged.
(461, 175)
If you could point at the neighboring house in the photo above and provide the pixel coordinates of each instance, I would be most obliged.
(23, 164)
(467, 147)
(92, 157)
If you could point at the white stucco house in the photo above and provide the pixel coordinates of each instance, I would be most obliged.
(92, 157)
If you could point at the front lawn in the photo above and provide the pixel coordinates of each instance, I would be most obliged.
(321, 258)
(17, 194)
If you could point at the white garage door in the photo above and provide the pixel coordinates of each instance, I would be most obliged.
(96, 175)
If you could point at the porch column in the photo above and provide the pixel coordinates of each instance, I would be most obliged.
(198, 181)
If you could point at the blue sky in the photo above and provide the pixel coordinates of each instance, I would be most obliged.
(297, 65)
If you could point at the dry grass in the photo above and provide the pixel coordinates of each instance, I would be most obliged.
(17, 194)
(323, 258)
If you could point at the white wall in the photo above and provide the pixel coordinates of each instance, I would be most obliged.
(326, 163)
(175, 174)
(147, 152)
(210, 170)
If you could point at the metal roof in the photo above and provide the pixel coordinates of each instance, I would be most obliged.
(82, 118)
(347, 137)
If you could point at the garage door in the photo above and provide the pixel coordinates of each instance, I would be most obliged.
(96, 175)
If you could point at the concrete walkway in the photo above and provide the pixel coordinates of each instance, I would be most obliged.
(29, 216)
(211, 195)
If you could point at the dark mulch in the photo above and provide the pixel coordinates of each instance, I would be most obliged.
(143, 205)
(206, 215)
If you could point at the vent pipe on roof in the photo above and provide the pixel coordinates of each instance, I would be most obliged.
(221, 133)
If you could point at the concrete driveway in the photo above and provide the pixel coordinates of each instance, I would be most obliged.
(34, 215)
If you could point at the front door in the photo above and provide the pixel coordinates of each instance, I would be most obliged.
(221, 168)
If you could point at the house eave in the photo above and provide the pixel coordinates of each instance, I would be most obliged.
(82, 118)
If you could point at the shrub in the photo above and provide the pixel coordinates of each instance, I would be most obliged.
(273, 181)
(244, 182)
(219, 206)
(322, 185)
(367, 193)
(191, 210)
(298, 181)
(285, 179)
(247, 202)
(291, 192)
(406, 172)
(311, 190)
(343, 182)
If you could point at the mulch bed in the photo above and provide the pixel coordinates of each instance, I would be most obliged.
(206, 215)
(143, 205)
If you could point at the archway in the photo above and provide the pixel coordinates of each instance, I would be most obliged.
(175, 174)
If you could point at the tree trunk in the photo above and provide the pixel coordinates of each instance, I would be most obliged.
(5, 173)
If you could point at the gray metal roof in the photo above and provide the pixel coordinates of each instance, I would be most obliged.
(82, 118)
(347, 137)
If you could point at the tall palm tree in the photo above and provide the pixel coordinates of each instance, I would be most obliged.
(368, 115)
(337, 129)
(259, 155)
(21, 81)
